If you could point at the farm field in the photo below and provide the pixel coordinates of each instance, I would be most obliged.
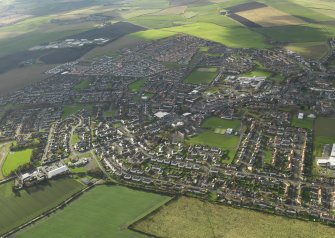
(313, 50)
(216, 122)
(105, 211)
(192, 218)
(137, 85)
(306, 123)
(19, 208)
(201, 76)
(324, 133)
(217, 140)
(20, 77)
(153, 34)
(269, 16)
(68, 110)
(16, 159)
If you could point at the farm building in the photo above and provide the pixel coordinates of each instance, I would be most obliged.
(57, 171)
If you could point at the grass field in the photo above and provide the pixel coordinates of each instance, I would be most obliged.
(85, 84)
(313, 50)
(192, 218)
(153, 34)
(216, 122)
(136, 86)
(217, 140)
(16, 159)
(68, 110)
(324, 133)
(4, 150)
(269, 16)
(237, 36)
(18, 208)
(257, 73)
(105, 211)
(306, 123)
(201, 76)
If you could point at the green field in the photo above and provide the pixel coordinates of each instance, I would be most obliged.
(313, 50)
(19, 208)
(237, 36)
(213, 139)
(306, 123)
(68, 110)
(153, 34)
(201, 76)
(324, 133)
(16, 159)
(216, 122)
(105, 211)
(136, 86)
(257, 73)
(85, 84)
(192, 218)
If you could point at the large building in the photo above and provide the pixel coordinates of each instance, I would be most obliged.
(330, 161)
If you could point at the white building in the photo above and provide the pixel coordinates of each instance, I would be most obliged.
(57, 171)
(300, 116)
(330, 161)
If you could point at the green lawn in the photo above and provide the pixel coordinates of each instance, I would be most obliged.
(192, 218)
(105, 211)
(267, 157)
(324, 133)
(257, 73)
(68, 110)
(306, 123)
(85, 84)
(201, 76)
(136, 86)
(74, 139)
(17, 209)
(16, 159)
(216, 122)
(213, 139)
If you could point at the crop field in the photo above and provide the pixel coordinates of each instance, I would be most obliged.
(201, 76)
(324, 133)
(68, 110)
(312, 50)
(137, 85)
(153, 34)
(172, 10)
(15, 160)
(105, 211)
(192, 218)
(269, 16)
(210, 138)
(19, 208)
(238, 36)
(216, 122)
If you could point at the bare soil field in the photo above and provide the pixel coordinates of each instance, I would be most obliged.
(245, 7)
(269, 16)
(21, 77)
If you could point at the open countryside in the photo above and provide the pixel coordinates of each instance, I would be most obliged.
(106, 211)
(191, 218)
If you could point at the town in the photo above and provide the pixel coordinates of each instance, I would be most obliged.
(183, 115)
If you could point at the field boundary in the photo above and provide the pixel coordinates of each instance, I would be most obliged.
(49, 212)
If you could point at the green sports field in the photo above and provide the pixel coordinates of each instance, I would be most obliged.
(105, 211)
(216, 122)
(19, 208)
(68, 110)
(201, 76)
(324, 133)
(306, 123)
(136, 86)
(16, 159)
